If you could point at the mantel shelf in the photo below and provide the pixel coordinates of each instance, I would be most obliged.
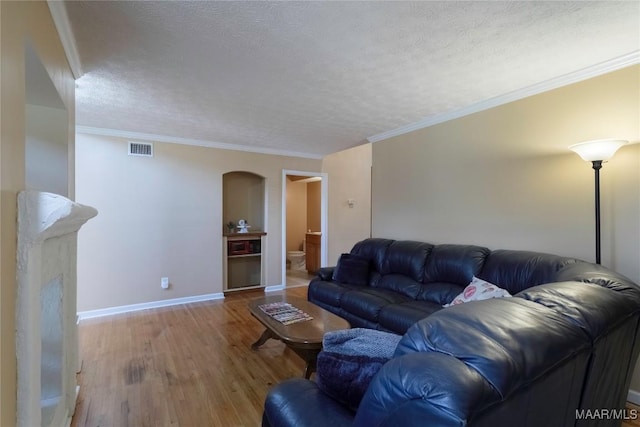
(245, 235)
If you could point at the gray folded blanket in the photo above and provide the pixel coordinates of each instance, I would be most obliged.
(350, 359)
(361, 342)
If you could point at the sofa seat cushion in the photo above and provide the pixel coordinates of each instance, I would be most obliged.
(299, 402)
(367, 302)
(329, 293)
(479, 290)
(439, 293)
(401, 284)
(399, 317)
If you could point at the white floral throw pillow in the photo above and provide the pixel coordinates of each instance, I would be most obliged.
(478, 290)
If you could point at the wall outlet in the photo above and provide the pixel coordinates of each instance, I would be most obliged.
(164, 283)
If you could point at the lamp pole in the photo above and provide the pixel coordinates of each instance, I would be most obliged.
(597, 152)
(597, 165)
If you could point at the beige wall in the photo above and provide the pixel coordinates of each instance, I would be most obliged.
(296, 214)
(162, 216)
(313, 205)
(46, 149)
(21, 22)
(349, 175)
(504, 178)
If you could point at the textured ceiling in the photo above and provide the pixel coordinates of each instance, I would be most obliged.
(319, 77)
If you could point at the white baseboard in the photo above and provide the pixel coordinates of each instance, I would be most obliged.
(275, 288)
(90, 314)
(633, 397)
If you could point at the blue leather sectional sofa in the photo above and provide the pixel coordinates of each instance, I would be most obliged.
(561, 352)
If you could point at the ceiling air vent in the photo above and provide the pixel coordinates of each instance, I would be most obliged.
(140, 149)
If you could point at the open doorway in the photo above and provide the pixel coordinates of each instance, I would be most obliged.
(304, 226)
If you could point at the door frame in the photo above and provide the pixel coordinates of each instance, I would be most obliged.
(324, 207)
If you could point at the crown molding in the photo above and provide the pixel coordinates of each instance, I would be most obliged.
(63, 26)
(632, 58)
(138, 136)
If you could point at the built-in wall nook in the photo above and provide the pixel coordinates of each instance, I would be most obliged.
(244, 235)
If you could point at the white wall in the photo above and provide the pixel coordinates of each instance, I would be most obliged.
(46, 149)
(162, 216)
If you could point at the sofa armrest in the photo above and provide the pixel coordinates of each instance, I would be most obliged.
(300, 403)
(326, 273)
(424, 389)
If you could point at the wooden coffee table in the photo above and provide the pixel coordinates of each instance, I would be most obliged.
(305, 337)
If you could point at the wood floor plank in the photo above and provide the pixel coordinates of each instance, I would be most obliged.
(188, 365)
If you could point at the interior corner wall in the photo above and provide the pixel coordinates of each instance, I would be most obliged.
(161, 216)
(19, 22)
(349, 177)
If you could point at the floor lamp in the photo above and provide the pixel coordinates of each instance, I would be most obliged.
(597, 152)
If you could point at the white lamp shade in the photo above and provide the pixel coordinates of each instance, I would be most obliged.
(601, 149)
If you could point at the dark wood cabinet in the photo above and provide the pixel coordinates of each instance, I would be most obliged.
(313, 252)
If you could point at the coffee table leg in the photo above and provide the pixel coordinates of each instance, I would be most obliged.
(267, 334)
(310, 356)
(310, 368)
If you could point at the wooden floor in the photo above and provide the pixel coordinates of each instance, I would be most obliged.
(633, 415)
(188, 365)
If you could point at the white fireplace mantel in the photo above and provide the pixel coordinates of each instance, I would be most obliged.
(46, 330)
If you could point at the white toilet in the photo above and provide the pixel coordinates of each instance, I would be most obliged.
(297, 258)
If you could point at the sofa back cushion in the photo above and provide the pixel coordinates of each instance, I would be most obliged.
(454, 263)
(519, 270)
(509, 341)
(440, 293)
(406, 257)
(375, 250)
